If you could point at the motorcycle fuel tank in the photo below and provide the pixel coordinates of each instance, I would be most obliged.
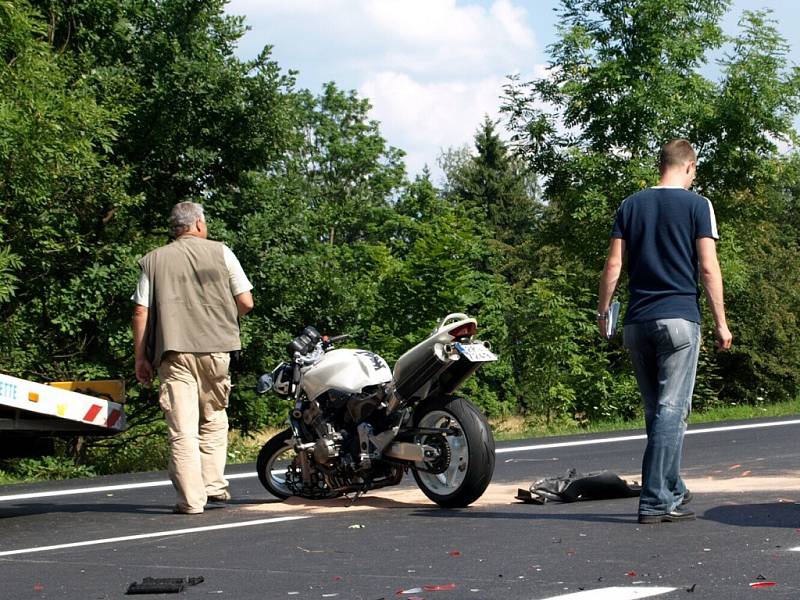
(345, 370)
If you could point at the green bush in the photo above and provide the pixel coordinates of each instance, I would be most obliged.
(46, 467)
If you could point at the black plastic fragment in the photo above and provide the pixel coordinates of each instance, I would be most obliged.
(162, 585)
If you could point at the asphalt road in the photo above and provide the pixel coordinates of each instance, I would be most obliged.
(87, 539)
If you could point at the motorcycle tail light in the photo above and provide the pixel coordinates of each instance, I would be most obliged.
(465, 330)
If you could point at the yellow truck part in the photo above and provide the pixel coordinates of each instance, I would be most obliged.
(85, 408)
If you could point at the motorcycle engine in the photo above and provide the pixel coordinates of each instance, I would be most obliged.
(337, 463)
(355, 408)
(334, 422)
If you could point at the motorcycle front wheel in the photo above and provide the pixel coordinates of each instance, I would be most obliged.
(274, 460)
(471, 454)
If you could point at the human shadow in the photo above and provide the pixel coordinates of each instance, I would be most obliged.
(770, 514)
(11, 511)
(467, 513)
(40, 508)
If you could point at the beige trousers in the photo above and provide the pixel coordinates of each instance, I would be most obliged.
(194, 394)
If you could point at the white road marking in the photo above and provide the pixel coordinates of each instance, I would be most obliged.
(794, 549)
(628, 438)
(155, 534)
(615, 593)
(610, 440)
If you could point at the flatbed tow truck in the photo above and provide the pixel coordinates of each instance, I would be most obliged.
(76, 408)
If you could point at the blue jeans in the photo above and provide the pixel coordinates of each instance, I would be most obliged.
(664, 354)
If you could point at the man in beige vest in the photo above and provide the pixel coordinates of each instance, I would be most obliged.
(185, 322)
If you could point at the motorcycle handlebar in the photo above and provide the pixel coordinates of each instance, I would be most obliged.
(338, 338)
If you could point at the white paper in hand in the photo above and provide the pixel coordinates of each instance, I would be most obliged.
(611, 320)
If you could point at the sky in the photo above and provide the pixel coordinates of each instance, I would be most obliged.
(432, 69)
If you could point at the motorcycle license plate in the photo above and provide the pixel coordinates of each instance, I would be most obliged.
(476, 352)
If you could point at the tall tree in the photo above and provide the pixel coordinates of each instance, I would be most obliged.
(624, 78)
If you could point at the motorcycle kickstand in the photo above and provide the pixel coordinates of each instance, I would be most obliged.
(355, 497)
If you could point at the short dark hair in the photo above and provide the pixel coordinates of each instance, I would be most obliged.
(674, 154)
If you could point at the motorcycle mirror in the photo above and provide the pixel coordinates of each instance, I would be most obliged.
(264, 384)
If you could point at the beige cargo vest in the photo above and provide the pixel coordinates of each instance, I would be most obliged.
(191, 305)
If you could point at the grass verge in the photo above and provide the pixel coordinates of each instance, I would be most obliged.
(518, 427)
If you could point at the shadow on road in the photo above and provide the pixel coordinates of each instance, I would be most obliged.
(25, 510)
(528, 516)
(773, 514)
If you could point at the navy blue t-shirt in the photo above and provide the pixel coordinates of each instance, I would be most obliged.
(660, 227)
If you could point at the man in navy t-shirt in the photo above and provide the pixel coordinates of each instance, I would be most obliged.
(668, 234)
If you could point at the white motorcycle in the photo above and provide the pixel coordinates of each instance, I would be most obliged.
(356, 426)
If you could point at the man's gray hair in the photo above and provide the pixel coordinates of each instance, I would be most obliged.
(183, 216)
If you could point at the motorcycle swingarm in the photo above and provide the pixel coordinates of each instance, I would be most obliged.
(415, 431)
(409, 465)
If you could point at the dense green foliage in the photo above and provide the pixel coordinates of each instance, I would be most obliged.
(626, 77)
(111, 111)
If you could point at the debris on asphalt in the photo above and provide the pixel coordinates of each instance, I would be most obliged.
(631, 573)
(732, 467)
(691, 589)
(763, 584)
(402, 592)
(330, 595)
(454, 553)
(162, 585)
(444, 587)
(337, 577)
(356, 526)
(38, 587)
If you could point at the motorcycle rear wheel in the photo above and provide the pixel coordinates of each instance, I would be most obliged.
(274, 459)
(471, 454)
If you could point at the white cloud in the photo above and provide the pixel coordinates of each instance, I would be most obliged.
(430, 68)
(430, 117)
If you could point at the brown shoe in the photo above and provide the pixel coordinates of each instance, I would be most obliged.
(220, 498)
(177, 510)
